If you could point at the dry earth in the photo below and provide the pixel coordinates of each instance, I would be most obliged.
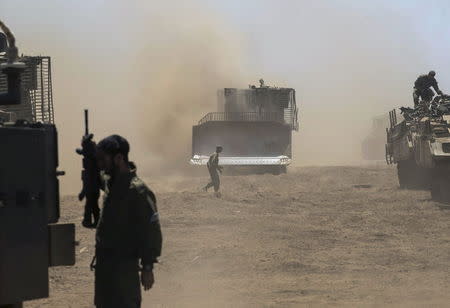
(311, 237)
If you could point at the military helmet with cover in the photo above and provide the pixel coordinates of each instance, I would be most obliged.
(113, 145)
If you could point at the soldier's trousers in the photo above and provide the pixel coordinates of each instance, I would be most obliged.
(426, 95)
(215, 180)
(91, 208)
(117, 283)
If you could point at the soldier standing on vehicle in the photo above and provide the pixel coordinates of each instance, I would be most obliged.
(422, 88)
(214, 169)
(128, 230)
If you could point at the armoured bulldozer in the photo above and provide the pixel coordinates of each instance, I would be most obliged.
(420, 146)
(254, 126)
(30, 238)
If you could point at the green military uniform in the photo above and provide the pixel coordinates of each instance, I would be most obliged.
(213, 168)
(128, 231)
(422, 88)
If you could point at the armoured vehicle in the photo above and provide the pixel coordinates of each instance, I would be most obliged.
(254, 126)
(420, 146)
(30, 238)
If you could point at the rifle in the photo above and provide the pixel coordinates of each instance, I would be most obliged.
(90, 176)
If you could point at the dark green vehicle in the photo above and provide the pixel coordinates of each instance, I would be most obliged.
(30, 238)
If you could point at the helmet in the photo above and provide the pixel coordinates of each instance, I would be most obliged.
(115, 144)
(432, 73)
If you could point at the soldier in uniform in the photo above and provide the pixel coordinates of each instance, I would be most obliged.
(422, 88)
(214, 169)
(128, 237)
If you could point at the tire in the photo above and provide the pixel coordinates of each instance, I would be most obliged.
(422, 178)
(435, 190)
(401, 173)
(275, 170)
(440, 188)
(411, 176)
(404, 174)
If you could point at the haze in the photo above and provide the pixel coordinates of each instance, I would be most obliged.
(149, 70)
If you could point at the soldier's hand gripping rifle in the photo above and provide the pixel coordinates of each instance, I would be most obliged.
(90, 177)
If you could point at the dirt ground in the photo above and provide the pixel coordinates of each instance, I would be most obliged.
(317, 236)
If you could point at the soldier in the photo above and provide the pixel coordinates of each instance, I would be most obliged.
(422, 88)
(214, 169)
(128, 230)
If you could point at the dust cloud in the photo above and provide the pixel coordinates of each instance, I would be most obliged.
(349, 61)
(149, 70)
(177, 83)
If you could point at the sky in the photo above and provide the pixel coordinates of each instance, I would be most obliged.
(150, 69)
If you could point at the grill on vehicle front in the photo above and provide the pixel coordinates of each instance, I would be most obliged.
(37, 97)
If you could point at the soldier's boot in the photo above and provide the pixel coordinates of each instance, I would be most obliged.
(87, 218)
(96, 214)
(87, 223)
(210, 184)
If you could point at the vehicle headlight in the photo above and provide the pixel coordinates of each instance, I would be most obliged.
(196, 160)
(284, 160)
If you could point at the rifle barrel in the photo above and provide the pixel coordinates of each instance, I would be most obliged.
(86, 122)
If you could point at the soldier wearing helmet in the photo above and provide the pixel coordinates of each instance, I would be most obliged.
(422, 88)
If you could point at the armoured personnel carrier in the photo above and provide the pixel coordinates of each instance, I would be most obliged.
(254, 126)
(30, 238)
(420, 146)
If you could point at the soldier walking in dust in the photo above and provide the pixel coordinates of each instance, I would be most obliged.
(422, 88)
(214, 169)
(128, 230)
